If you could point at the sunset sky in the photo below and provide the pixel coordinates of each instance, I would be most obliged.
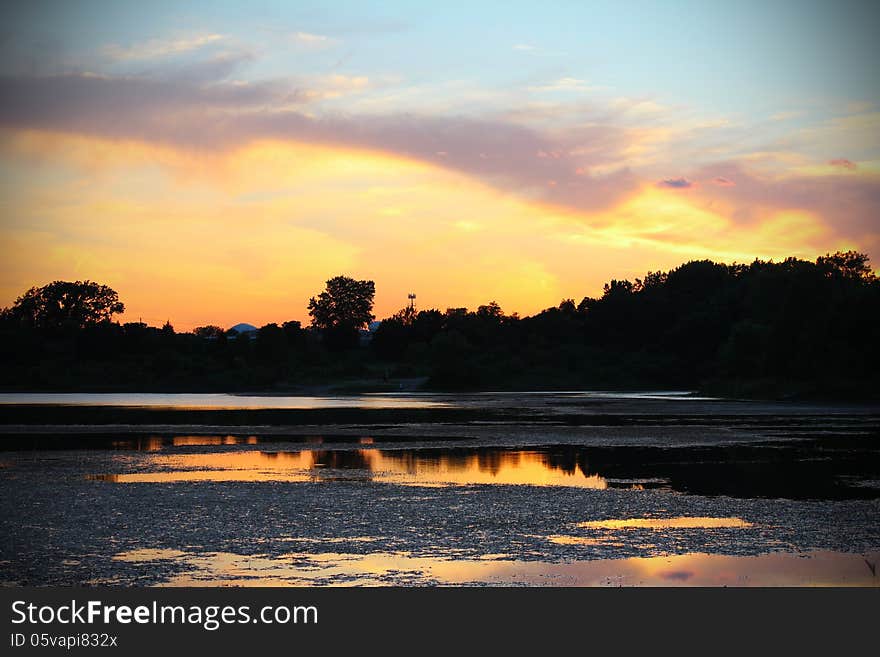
(216, 162)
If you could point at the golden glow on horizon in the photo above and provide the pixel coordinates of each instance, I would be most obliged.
(250, 234)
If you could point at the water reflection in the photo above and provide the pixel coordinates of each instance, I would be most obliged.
(400, 568)
(611, 530)
(200, 441)
(665, 523)
(149, 554)
(220, 401)
(366, 400)
(157, 443)
(408, 467)
(145, 444)
(824, 468)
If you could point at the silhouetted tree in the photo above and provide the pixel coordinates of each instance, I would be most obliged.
(567, 306)
(849, 264)
(294, 333)
(616, 289)
(585, 305)
(394, 334)
(452, 357)
(490, 311)
(210, 331)
(344, 307)
(427, 324)
(64, 305)
(271, 344)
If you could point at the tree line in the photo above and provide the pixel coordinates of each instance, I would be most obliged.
(793, 327)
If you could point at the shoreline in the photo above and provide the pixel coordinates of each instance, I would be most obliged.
(738, 390)
(515, 409)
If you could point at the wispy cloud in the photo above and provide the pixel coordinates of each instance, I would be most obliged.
(843, 163)
(566, 84)
(161, 47)
(309, 41)
(334, 86)
(676, 183)
(846, 203)
(639, 107)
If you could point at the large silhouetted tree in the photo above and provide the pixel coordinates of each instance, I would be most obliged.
(64, 305)
(344, 307)
(849, 264)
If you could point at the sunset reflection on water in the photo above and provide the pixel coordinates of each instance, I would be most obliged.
(689, 522)
(817, 568)
(198, 441)
(406, 467)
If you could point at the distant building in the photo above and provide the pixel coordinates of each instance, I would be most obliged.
(243, 329)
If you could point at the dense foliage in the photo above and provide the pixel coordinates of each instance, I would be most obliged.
(767, 328)
(341, 310)
(64, 305)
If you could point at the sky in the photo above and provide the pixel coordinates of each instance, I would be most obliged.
(217, 162)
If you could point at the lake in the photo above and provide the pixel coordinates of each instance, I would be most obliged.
(217, 400)
(576, 488)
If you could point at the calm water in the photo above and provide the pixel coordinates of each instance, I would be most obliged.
(219, 400)
(817, 568)
(396, 400)
(638, 495)
(825, 468)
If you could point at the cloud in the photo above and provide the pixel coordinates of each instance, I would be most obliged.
(842, 163)
(525, 47)
(147, 108)
(675, 183)
(309, 41)
(639, 107)
(582, 167)
(334, 86)
(161, 47)
(198, 111)
(565, 84)
(847, 202)
(857, 135)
